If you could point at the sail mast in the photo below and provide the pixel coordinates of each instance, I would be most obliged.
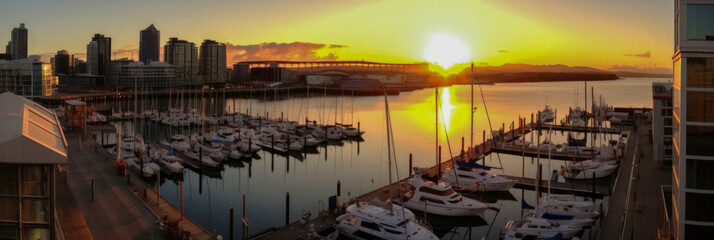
(471, 144)
(389, 149)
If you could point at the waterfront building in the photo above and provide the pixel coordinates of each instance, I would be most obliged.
(17, 47)
(155, 75)
(693, 120)
(27, 77)
(99, 55)
(62, 63)
(34, 147)
(662, 123)
(212, 62)
(184, 56)
(149, 44)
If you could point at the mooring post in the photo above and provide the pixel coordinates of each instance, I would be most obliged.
(287, 208)
(230, 221)
(410, 164)
(158, 186)
(243, 232)
(92, 189)
(80, 142)
(339, 188)
(462, 145)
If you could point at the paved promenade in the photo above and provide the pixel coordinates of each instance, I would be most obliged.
(116, 212)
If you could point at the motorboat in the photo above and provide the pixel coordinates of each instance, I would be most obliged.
(561, 219)
(538, 227)
(438, 198)
(476, 179)
(178, 141)
(571, 211)
(519, 142)
(590, 172)
(171, 163)
(204, 160)
(547, 115)
(368, 221)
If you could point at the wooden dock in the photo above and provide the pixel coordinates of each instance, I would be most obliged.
(533, 152)
(555, 127)
(164, 208)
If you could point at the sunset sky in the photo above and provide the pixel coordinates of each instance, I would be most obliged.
(600, 34)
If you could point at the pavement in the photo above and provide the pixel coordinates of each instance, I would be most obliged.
(116, 212)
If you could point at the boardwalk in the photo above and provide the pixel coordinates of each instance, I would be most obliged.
(116, 212)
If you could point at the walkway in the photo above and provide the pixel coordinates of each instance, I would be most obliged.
(116, 212)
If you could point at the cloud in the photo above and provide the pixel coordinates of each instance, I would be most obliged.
(503, 51)
(295, 51)
(642, 55)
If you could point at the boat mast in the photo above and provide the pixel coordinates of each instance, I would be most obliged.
(471, 143)
(436, 111)
(389, 149)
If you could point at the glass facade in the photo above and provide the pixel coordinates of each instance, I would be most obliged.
(699, 207)
(700, 106)
(700, 72)
(697, 174)
(25, 199)
(700, 22)
(699, 140)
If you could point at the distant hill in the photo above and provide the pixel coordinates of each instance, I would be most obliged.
(532, 73)
(627, 71)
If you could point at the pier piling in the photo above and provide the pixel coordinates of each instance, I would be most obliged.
(92, 189)
(339, 188)
(230, 221)
(410, 164)
(438, 164)
(158, 186)
(287, 208)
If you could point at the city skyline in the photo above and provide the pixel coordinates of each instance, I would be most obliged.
(394, 31)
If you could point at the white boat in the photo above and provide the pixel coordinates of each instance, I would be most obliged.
(519, 142)
(538, 227)
(476, 179)
(178, 141)
(205, 160)
(171, 163)
(439, 199)
(367, 221)
(547, 115)
(571, 211)
(547, 145)
(561, 219)
(601, 171)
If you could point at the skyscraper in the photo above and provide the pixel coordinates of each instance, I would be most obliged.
(17, 47)
(99, 54)
(693, 120)
(184, 56)
(149, 45)
(62, 62)
(213, 62)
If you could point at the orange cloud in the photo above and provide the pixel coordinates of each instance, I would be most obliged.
(295, 51)
(642, 55)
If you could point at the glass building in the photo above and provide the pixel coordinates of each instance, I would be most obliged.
(27, 77)
(693, 120)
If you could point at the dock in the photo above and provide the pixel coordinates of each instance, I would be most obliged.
(534, 152)
(591, 189)
(555, 127)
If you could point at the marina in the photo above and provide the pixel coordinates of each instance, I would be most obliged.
(329, 158)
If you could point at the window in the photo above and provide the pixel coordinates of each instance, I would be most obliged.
(8, 232)
(8, 180)
(697, 232)
(699, 140)
(9, 209)
(700, 106)
(700, 22)
(34, 181)
(36, 233)
(699, 174)
(668, 131)
(699, 207)
(370, 225)
(424, 199)
(699, 73)
(668, 121)
(666, 112)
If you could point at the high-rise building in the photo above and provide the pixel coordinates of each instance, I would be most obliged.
(155, 75)
(213, 62)
(62, 62)
(149, 44)
(184, 56)
(99, 52)
(693, 120)
(18, 43)
(662, 123)
(28, 77)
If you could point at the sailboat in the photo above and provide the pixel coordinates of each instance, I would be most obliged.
(381, 221)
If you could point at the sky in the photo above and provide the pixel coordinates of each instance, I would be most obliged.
(601, 34)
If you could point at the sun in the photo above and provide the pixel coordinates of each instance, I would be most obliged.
(446, 50)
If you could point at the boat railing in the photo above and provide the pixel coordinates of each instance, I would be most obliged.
(423, 222)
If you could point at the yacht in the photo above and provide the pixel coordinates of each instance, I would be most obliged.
(368, 221)
(539, 228)
(172, 163)
(547, 115)
(571, 211)
(439, 199)
(205, 160)
(589, 172)
(178, 141)
(476, 179)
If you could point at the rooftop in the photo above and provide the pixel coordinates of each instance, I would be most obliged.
(29, 133)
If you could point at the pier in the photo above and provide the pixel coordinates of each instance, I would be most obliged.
(585, 188)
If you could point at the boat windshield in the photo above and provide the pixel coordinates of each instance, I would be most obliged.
(402, 223)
